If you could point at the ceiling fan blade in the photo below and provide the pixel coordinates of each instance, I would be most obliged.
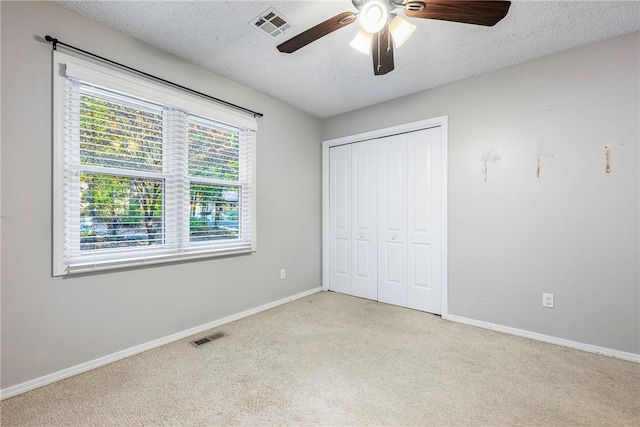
(487, 13)
(382, 52)
(314, 33)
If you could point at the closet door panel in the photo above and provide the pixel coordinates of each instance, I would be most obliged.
(340, 265)
(392, 220)
(364, 167)
(424, 205)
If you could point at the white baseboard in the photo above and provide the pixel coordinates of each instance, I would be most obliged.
(631, 357)
(113, 357)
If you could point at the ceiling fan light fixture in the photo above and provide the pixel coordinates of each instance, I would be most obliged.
(373, 16)
(400, 30)
(362, 42)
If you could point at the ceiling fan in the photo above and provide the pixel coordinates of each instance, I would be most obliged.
(381, 28)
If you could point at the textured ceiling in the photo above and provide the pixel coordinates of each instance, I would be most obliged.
(328, 77)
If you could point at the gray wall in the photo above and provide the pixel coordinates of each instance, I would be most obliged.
(49, 324)
(574, 230)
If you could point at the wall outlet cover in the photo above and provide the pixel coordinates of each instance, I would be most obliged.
(547, 300)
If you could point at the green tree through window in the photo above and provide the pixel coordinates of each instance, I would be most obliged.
(123, 211)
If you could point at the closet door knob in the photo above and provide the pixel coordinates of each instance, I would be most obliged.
(393, 237)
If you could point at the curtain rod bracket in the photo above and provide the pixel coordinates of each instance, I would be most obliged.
(55, 42)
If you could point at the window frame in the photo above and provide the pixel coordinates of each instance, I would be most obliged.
(67, 66)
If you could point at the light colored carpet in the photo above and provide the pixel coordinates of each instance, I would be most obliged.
(331, 359)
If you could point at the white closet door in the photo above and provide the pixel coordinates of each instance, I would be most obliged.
(392, 220)
(364, 198)
(424, 238)
(340, 266)
(385, 219)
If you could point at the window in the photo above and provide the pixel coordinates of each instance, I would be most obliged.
(144, 173)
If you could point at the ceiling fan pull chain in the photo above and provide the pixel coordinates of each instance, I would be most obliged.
(379, 56)
(388, 35)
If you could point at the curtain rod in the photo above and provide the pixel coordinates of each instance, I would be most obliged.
(55, 42)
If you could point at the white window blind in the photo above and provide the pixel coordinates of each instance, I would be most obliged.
(138, 180)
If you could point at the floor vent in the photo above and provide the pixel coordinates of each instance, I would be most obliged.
(201, 341)
(271, 23)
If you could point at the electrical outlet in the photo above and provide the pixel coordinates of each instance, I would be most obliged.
(547, 300)
(283, 274)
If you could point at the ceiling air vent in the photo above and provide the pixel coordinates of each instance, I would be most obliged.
(201, 341)
(271, 23)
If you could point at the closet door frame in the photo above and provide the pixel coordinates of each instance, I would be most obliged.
(441, 122)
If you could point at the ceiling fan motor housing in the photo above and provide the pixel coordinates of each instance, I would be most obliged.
(390, 4)
(412, 5)
(358, 3)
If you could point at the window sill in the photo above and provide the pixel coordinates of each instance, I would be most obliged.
(100, 266)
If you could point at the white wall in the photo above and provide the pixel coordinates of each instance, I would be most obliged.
(572, 231)
(49, 324)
